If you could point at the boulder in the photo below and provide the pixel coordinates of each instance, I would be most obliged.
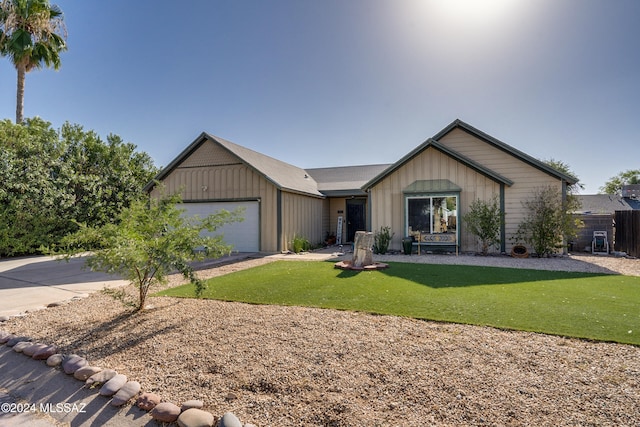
(194, 417)
(20, 346)
(229, 420)
(197, 404)
(31, 350)
(85, 372)
(5, 339)
(45, 353)
(148, 401)
(128, 391)
(100, 377)
(72, 363)
(55, 360)
(165, 412)
(113, 385)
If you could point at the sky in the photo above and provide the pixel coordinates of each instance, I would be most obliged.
(319, 83)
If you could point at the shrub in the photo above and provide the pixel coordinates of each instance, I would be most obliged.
(381, 240)
(300, 244)
(548, 222)
(484, 220)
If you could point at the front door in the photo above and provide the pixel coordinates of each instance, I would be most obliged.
(356, 220)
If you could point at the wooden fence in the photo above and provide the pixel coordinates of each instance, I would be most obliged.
(628, 232)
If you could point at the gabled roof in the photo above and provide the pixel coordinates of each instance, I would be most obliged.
(432, 143)
(344, 181)
(598, 204)
(283, 175)
(459, 124)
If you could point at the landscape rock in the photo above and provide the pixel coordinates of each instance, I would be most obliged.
(55, 360)
(5, 339)
(229, 420)
(72, 363)
(147, 401)
(4, 318)
(45, 353)
(20, 346)
(85, 372)
(56, 304)
(128, 391)
(113, 385)
(194, 417)
(3, 336)
(100, 377)
(197, 404)
(166, 412)
(15, 340)
(31, 350)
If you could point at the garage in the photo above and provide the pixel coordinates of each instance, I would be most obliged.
(245, 235)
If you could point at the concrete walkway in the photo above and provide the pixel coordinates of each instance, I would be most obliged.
(30, 283)
(33, 394)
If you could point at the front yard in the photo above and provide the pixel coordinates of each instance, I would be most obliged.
(594, 306)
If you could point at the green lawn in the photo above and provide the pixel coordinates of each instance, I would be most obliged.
(594, 306)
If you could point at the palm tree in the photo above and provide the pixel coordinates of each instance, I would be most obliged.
(32, 34)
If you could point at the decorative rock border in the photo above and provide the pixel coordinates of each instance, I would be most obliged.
(117, 387)
(348, 265)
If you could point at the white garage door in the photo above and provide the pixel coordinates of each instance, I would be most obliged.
(245, 235)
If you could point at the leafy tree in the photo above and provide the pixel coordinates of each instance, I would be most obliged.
(51, 179)
(32, 204)
(101, 177)
(614, 184)
(151, 239)
(32, 34)
(563, 167)
(548, 221)
(484, 220)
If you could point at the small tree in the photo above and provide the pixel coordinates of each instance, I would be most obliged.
(548, 221)
(151, 239)
(484, 220)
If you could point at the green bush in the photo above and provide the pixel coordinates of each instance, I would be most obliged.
(484, 220)
(381, 240)
(300, 244)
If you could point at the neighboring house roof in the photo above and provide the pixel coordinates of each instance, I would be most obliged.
(283, 175)
(599, 204)
(432, 143)
(344, 180)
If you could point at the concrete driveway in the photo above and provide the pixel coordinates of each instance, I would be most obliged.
(34, 282)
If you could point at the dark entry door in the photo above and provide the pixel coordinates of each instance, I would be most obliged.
(356, 220)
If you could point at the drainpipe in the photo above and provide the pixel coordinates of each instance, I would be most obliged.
(503, 229)
(279, 219)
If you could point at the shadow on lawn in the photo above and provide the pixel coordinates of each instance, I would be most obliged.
(449, 276)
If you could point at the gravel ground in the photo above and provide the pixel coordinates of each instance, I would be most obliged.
(292, 366)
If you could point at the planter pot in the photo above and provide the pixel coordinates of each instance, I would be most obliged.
(519, 251)
(407, 245)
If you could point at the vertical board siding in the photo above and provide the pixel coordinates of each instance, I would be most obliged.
(388, 201)
(301, 216)
(527, 179)
(230, 181)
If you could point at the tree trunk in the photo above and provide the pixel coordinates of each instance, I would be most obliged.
(22, 71)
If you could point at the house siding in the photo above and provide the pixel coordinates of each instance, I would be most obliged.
(302, 216)
(388, 200)
(526, 178)
(211, 173)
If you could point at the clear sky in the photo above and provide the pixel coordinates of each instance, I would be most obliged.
(321, 83)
